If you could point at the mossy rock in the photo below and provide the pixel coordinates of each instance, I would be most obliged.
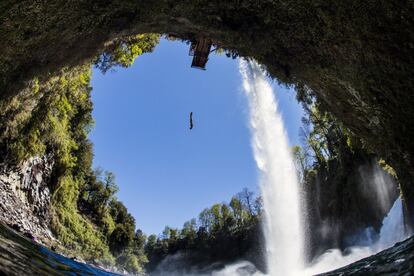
(356, 56)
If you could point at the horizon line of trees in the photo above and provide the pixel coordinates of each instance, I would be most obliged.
(222, 233)
(54, 118)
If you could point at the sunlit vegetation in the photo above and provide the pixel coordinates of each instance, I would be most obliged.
(53, 119)
(123, 51)
(351, 63)
(356, 56)
(329, 163)
(325, 139)
(223, 233)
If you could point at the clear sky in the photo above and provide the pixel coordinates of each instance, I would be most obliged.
(167, 173)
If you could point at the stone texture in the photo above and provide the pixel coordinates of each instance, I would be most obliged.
(344, 199)
(25, 197)
(356, 56)
(397, 260)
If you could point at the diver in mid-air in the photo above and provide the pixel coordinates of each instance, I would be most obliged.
(191, 120)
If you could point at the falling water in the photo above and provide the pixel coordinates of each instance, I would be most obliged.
(392, 231)
(280, 189)
(278, 179)
(377, 187)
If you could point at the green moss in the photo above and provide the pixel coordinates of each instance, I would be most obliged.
(355, 56)
(53, 118)
(387, 168)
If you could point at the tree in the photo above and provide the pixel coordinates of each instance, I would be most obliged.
(119, 239)
(131, 262)
(301, 162)
(226, 232)
(139, 242)
(123, 51)
(151, 241)
(246, 199)
(237, 209)
(189, 231)
(205, 219)
(216, 217)
(258, 205)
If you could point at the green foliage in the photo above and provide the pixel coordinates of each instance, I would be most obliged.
(359, 66)
(123, 51)
(224, 232)
(332, 48)
(133, 257)
(333, 166)
(323, 136)
(79, 236)
(387, 168)
(130, 262)
(53, 119)
(45, 124)
(120, 239)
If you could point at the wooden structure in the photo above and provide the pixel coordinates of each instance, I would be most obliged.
(200, 49)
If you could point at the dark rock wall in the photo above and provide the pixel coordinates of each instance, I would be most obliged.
(344, 199)
(397, 260)
(356, 56)
(25, 197)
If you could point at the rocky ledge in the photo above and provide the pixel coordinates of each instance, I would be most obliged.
(25, 198)
(397, 260)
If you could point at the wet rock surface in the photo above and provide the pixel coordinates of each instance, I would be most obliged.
(356, 56)
(22, 256)
(25, 197)
(345, 199)
(397, 260)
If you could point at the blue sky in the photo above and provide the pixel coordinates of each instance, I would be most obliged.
(166, 173)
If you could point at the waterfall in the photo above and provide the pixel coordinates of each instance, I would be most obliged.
(392, 229)
(377, 186)
(282, 223)
(278, 180)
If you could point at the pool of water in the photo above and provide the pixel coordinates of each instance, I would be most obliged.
(21, 256)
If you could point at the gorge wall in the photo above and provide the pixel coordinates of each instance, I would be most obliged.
(25, 197)
(343, 205)
(356, 57)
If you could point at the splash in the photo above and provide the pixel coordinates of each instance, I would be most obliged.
(392, 231)
(280, 190)
(279, 184)
(278, 180)
(377, 186)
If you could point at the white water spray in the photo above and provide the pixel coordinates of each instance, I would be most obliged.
(280, 190)
(392, 231)
(278, 180)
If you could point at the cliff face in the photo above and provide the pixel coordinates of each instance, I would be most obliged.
(346, 198)
(25, 197)
(397, 260)
(357, 57)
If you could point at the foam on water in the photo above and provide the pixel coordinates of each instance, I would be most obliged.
(283, 225)
(392, 231)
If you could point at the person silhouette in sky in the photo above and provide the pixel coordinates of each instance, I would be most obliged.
(191, 120)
